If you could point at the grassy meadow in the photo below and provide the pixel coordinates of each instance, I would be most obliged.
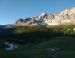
(39, 42)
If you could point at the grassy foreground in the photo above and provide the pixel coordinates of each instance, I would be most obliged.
(58, 47)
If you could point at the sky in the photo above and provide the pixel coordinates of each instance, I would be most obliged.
(11, 10)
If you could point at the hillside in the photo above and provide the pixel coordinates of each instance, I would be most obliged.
(39, 41)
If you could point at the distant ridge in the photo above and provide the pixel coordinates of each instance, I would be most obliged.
(65, 17)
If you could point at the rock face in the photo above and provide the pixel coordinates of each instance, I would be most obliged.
(65, 17)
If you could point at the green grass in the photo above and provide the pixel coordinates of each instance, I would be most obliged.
(66, 46)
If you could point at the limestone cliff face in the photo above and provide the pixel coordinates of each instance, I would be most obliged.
(65, 17)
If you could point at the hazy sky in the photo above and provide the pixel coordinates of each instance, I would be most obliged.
(11, 10)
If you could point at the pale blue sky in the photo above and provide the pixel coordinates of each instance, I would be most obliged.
(11, 10)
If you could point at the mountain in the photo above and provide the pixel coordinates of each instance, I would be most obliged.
(65, 17)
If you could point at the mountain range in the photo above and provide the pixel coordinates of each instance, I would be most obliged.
(65, 17)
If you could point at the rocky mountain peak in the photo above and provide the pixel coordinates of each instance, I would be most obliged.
(68, 11)
(43, 14)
